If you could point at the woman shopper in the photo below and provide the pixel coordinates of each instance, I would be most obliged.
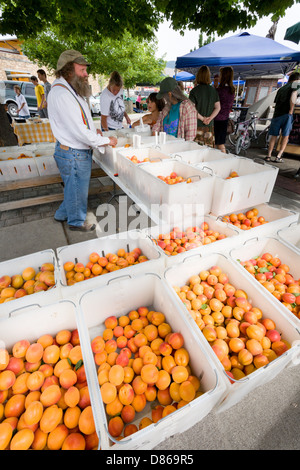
(226, 94)
(112, 104)
(155, 107)
(207, 103)
(23, 110)
(179, 115)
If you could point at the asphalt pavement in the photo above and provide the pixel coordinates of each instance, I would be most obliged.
(268, 417)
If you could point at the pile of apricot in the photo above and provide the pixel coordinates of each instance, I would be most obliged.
(99, 265)
(44, 397)
(29, 282)
(232, 174)
(174, 178)
(245, 221)
(178, 241)
(275, 276)
(139, 359)
(239, 334)
(134, 159)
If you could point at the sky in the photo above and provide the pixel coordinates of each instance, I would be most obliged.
(174, 45)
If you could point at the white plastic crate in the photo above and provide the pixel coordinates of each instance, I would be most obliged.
(80, 252)
(178, 275)
(16, 266)
(254, 185)
(127, 170)
(119, 298)
(152, 190)
(202, 154)
(222, 246)
(257, 247)
(276, 217)
(291, 236)
(33, 322)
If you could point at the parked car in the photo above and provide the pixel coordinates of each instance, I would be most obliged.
(95, 104)
(8, 96)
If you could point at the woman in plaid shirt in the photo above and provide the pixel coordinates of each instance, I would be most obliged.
(179, 116)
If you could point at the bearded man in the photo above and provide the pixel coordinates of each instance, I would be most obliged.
(73, 127)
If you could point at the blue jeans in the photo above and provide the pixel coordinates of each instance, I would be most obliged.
(75, 169)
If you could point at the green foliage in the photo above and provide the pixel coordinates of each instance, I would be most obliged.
(134, 59)
(219, 16)
(93, 18)
(96, 19)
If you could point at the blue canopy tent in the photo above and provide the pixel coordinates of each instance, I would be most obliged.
(249, 55)
(184, 77)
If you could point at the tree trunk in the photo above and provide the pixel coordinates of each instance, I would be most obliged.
(272, 30)
(7, 136)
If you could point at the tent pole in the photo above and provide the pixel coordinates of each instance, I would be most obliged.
(237, 91)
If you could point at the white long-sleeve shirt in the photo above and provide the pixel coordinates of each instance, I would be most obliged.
(66, 119)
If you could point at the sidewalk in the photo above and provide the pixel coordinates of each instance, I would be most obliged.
(268, 418)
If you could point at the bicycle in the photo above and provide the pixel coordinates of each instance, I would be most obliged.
(246, 131)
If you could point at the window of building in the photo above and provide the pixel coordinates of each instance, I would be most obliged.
(251, 94)
(263, 92)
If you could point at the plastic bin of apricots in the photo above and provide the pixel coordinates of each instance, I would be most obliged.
(96, 262)
(198, 235)
(17, 163)
(128, 159)
(261, 220)
(276, 268)
(173, 183)
(240, 182)
(44, 395)
(247, 336)
(28, 280)
(154, 378)
(291, 236)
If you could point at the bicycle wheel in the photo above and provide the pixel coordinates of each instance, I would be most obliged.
(242, 143)
(233, 137)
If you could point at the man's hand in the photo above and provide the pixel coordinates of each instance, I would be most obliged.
(113, 141)
(99, 132)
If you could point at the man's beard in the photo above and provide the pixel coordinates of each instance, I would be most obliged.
(80, 85)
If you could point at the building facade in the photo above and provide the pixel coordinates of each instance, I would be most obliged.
(14, 65)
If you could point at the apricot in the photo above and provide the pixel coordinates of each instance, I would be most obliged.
(28, 274)
(115, 426)
(33, 413)
(15, 406)
(149, 373)
(180, 374)
(4, 359)
(7, 380)
(67, 378)
(254, 347)
(128, 413)
(34, 353)
(108, 392)
(111, 322)
(86, 422)
(51, 395)
(74, 441)
(55, 438)
(22, 440)
(176, 340)
(139, 402)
